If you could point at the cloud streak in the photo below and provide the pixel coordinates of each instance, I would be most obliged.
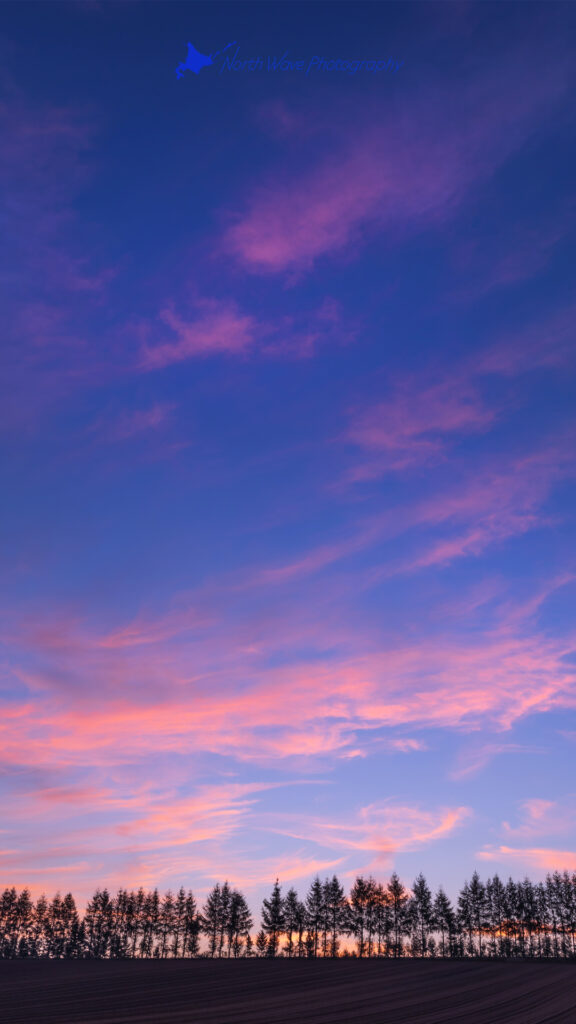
(399, 174)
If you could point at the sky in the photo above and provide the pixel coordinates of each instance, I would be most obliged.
(288, 433)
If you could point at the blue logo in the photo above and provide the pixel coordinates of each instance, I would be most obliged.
(196, 61)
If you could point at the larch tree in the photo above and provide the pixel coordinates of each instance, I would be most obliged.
(421, 914)
(336, 906)
(359, 908)
(445, 920)
(239, 923)
(292, 918)
(273, 918)
(398, 898)
(315, 913)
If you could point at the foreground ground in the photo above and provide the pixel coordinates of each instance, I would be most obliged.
(287, 991)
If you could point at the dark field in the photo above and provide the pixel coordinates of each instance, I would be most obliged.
(265, 992)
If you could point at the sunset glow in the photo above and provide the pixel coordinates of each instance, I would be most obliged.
(289, 477)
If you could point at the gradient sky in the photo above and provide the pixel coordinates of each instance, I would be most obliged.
(288, 406)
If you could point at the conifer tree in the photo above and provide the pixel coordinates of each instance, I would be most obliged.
(315, 913)
(445, 919)
(192, 928)
(336, 907)
(38, 927)
(383, 920)
(98, 923)
(23, 923)
(466, 917)
(178, 922)
(398, 899)
(273, 918)
(477, 895)
(8, 922)
(421, 913)
(291, 919)
(212, 919)
(167, 920)
(519, 919)
(239, 923)
(359, 903)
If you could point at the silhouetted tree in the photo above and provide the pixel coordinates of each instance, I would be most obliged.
(397, 899)
(445, 920)
(518, 919)
(215, 917)
(383, 920)
(315, 915)
(360, 895)
(167, 923)
(421, 915)
(191, 941)
(294, 920)
(273, 918)
(97, 923)
(477, 897)
(239, 923)
(336, 912)
(466, 917)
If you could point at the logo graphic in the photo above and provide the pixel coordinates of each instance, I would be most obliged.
(196, 61)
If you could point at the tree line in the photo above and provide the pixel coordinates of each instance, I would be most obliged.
(489, 919)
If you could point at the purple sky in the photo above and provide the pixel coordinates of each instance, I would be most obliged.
(288, 408)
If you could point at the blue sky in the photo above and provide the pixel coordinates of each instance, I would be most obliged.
(288, 420)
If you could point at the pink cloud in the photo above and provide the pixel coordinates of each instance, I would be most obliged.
(545, 344)
(383, 830)
(499, 499)
(542, 859)
(44, 165)
(54, 287)
(213, 812)
(135, 422)
(405, 170)
(142, 631)
(427, 414)
(513, 255)
(234, 703)
(413, 426)
(111, 706)
(218, 328)
(540, 817)
(475, 757)
(407, 745)
(286, 869)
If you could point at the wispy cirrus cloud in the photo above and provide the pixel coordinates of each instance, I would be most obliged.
(53, 270)
(146, 827)
(134, 423)
(381, 830)
(412, 170)
(219, 327)
(476, 756)
(478, 508)
(426, 415)
(530, 858)
(415, 425)
(510, 255)
(216, 684)
(540, 817)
